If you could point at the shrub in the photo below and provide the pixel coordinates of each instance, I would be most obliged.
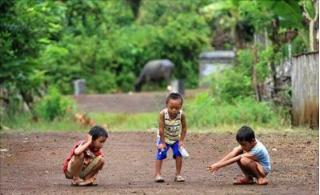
(54, 105)
(230, 84)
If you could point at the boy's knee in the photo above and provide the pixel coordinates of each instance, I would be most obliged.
(79, 156)
(245, 161)
(101, 160)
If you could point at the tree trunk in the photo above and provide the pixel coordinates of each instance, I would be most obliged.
(312, 20)
(254, 74)
(274, 72)
(276, 46)
(311, 35)
(135, 7)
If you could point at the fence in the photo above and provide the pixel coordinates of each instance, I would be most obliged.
(305, 90)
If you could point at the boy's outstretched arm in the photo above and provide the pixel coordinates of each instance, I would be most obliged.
(216, 166)
(84, 146)
(230, 158)
(236, 151)
(183, 130)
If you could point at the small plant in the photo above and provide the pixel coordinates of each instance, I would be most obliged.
(54, 105)
(231, 84)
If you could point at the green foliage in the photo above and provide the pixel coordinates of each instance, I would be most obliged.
(229, 85)
(309, 8)
(262, 67)
(185, 44)
(206, 111)
(45, 42)
(23, 123)
(103, 44)
(54, 105)
(261, 13)
(236, 82)
(299, 45)
(102, 82)
(127, 122)
(244, 61)
(25, 27)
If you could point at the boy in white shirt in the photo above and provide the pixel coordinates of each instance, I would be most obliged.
(251, 156)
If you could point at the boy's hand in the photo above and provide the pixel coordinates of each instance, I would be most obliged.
(162, 146)
(213, 168)
(181, 144)
(89, 138)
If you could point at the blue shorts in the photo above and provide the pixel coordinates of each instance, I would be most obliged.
(162, 154)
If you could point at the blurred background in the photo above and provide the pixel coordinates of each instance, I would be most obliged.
(66, 65)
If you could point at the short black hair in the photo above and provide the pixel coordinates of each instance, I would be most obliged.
(174, 96)
(245, 133)
(97, 131)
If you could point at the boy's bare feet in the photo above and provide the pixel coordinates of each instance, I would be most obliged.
(262, 181)
(76, 181)
(244, 181)
(94, 181)
(89, 182)
(86, 183)
(80, 182)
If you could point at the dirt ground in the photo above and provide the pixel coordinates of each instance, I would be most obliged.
(128, 103)
(32, 164)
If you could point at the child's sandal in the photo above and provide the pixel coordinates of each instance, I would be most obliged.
(159, 179)
(179, 178)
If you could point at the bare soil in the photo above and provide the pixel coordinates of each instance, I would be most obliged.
(32, 164)
(128, 103)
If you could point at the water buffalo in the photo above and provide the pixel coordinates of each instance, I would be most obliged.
(154, 70)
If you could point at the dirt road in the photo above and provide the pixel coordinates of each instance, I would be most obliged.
(129, 103)
(31, 164)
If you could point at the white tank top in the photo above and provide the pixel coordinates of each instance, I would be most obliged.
(172, 127)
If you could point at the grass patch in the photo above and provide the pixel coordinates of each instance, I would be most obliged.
(113, 121)
(124, 122)
(204, 115)
(207, 112)
(23, 123)
(259, 130)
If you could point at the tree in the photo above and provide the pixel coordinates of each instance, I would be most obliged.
(279, 18)
(311, 12)
(135, 6)
(25, 27)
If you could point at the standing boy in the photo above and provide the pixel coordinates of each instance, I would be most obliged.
(172, 132)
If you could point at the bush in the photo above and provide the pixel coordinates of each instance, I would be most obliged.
(230, 84)
(102, 82)
(54, 105)
(236, 82)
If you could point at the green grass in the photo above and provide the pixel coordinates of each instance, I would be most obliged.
(113, 121)
(204, 114)
(23, 123)
(123, 122)
(126, 122)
